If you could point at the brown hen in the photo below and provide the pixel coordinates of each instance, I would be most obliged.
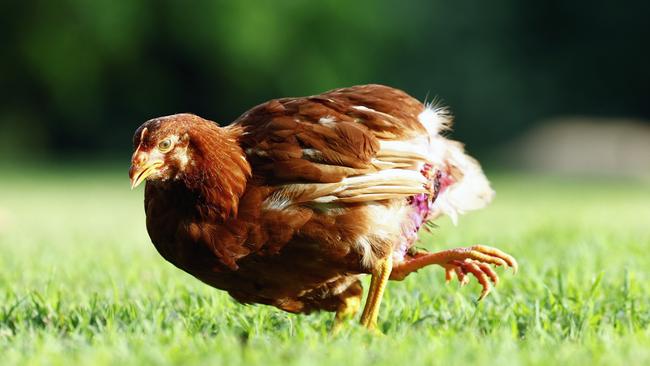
(299, 197)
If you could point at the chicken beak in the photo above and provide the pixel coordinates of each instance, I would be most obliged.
(139, 172)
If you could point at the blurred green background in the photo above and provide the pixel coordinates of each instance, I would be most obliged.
(79, 76)
(556, 88)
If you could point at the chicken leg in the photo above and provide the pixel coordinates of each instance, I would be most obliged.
(473, 260)
(380, 276)
(350, 302)
(346, 310)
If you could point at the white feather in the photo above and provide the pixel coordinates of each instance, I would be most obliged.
(435, 119)
(471, 192)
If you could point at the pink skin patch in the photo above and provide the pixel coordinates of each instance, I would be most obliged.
(422, 205)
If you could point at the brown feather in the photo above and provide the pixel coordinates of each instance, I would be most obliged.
(282, 207)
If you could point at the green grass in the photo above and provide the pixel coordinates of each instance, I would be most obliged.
(80, 283)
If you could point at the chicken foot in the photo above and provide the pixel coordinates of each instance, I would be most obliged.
(378, 282)
(348, 309)
(473, 260)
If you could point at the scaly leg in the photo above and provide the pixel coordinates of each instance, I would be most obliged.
(378, 283)
(462, 261)
(348, 308)
(350, 302)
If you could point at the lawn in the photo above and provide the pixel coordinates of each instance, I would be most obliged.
(80, 283)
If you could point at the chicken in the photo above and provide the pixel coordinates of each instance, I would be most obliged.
(298, 198)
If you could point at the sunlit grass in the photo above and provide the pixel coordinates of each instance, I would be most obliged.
(81, 284)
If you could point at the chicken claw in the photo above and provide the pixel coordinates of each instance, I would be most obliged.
(483, 273)
(474, 260)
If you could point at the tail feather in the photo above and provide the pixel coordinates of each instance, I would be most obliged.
(469, 188)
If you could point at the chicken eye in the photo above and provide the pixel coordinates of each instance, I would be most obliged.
(165, 145)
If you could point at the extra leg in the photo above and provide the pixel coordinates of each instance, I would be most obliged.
(378, 283)
(474, 260)
(350, 304)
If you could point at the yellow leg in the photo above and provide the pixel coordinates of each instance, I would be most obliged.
(347, 310)
(378, 283)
